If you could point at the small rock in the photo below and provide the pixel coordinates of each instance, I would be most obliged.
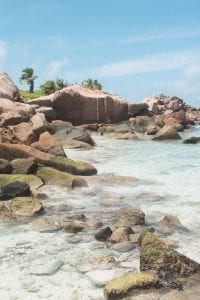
(14, 189)
(121, 234)
(94, 223)
(129, 217)
(73, 227)
(42, 268)
(101, 277)
(169, 224)
(103, 234)
(124, 246)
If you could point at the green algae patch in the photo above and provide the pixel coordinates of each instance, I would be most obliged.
(26, 206)
(156, 255)
(124, 285)
(33, 181)
(54, 177)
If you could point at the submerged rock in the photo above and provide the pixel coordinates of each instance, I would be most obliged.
(101, 277)
(46, 268)
(96, 263)
(129, 284)
(45, 224)
(121, 234)
(124, 246)
(26, 206)
(170, 224)
(192, 140)
(155, 255)
(129, 216)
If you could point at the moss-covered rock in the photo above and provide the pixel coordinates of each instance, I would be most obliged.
(26, 206)
(84, 168)
(156, 255)
(124, 285)
(54, 177)
(33, 181)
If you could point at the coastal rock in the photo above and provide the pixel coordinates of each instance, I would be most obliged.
(94, 223)
(192, 140)
(42, 101)
(59, 125)
(169, 224)
(23, 133)
(166, 133)
(8, 89)
(11, 152)
(73, 144)
(78, 134)
(101, 277)
(96, 263)
(43, 267)
(26, 206)
(129, 217)
(155, 255)
(140, 123)
(79, 105)
(54, 177)
(39, 123)
(140, 109)
(24, 166)
(7, 136)
(120, 234)
(74, 227)
(48, 112)
(5, 167)
(33, 181)
(124, 246)
(13, 113)
(129, 284)
(45, 224)
(14, 189)
(104, 234)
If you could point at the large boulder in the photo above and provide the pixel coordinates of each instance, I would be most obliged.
(140, 123)
(166, 133)
(8, 89)
(78, 134)
(155, 255)
(39, 123)
(13, 113)
(23, 133)
(140, 109)
(80, 105)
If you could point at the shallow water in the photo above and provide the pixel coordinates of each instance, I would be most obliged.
(168, 169)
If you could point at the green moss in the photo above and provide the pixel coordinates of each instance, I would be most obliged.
(156, 255)
(55, 177)
(121, 286)
(84, 168)
(31, 180)
(25, 206)
(30, 96)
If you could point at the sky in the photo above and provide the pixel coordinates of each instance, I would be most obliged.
(135, 48)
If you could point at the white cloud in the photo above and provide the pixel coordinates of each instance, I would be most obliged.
(3, 51)
(173, 33)
(54, 67)
(151, 63)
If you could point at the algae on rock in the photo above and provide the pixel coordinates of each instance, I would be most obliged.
(33, 181)
(26, 206)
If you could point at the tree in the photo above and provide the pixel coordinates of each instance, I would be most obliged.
(29, 78)
(92, 84)
(50, 86)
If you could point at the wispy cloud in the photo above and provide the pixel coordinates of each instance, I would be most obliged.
(55, 67)
(154, 35)
(151, 63)
(3, 51)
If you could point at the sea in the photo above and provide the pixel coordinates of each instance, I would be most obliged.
(53, 264)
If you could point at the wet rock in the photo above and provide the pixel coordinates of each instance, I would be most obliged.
(111, 201)
(103, 234)
(54, 177)
(26, 206)
(76, 145)
(169, 224)
(156, 255)
(74, 227)
(168, 279)
(149, 196)
(24, 166)
(192, 140)
(124, 246)
(120, 234)
(14, 189)
(97, 263)
(79, 134)
(33, 181)
(46, 268)
(129, 217)
(45, 224)
(129, 284)
(101, 277)
(5, 167)
(166, 133)
(94, 223)
(5, 213)
(152, 129)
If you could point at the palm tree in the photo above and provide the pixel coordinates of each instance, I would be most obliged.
(28, 77)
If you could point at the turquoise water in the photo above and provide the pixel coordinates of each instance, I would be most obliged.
(170, 170)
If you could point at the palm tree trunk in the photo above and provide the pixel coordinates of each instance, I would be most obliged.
(31, 89)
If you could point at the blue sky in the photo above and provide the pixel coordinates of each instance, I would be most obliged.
(136, 48)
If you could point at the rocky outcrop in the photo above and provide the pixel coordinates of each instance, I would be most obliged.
(8, 89)
(140, 109)
(155, 255)
(129, 216)
(169, 224)
(80, 105)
